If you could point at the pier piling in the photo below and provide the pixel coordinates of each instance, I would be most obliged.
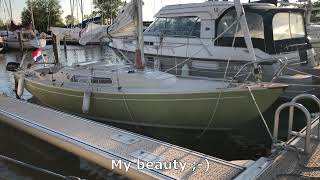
(20, 41)
(56, 45)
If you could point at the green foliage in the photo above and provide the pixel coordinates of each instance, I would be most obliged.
(43, 10)
(107, 9)
(315, 15)
(86, 17)
(1, 23)
(71, 20)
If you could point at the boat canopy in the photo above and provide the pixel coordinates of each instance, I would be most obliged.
(273, 30)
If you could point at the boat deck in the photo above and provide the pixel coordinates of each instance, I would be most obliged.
(106, 145)
(289, 163)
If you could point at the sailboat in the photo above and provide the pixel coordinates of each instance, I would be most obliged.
(206, 38)
(135, 95)
(29, 40)
(24, 37)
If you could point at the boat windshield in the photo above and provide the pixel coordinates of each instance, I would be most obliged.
(229, 28)
(175, 26)
(230, 33)
(288, 25)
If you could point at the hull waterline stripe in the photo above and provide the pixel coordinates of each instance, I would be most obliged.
(143, 100)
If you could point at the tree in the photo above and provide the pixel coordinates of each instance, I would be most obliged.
(46, 13)
(1, 23)
(89, 16)
(71, 20)
(315, 15)
(107, 9)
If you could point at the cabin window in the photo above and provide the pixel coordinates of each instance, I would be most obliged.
(255, 25)
(94, 80)
(175, 26)
(288, 26)
(26, 36)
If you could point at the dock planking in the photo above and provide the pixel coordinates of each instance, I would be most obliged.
(123, 152)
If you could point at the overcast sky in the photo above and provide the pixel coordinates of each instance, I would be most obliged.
(149, 9)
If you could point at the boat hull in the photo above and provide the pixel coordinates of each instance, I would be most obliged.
(303, 84)
(27, 44)
(182, 111)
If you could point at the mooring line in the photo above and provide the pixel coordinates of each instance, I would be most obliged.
(261, 115)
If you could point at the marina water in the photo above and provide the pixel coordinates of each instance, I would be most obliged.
(249, 142)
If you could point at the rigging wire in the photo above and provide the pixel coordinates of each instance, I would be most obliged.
(213, 39)
(260, 113)
(10, 10)
(220, 93)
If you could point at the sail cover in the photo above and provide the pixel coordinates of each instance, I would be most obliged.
(73, 33)
(92, 32)
(125, 23)
(123, 26)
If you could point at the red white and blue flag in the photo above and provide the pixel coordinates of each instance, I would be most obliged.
(37, 56)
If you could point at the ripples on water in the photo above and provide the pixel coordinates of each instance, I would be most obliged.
(248, 144)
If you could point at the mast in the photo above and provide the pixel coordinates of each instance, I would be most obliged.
(10, 4)
(81, 8)
(32, 19)
(247, 37)
(139, 57)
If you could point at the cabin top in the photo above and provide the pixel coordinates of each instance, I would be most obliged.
(209, 9)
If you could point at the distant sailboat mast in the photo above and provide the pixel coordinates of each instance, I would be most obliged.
(32, 18)
(10, 4)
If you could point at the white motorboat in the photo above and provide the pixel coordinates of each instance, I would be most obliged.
(205, 39)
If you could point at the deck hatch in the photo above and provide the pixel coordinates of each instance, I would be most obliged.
(95, 80)
(124, 138)
(146, 156)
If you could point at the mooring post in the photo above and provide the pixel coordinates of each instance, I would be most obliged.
(56, 46)
(20, 41)
(65, 44)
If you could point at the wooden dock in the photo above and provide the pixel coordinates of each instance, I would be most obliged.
(126, 153)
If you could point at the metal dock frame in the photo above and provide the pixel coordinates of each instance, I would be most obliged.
(101, 144)
(284, 154)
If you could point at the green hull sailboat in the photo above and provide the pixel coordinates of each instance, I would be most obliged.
(149, 98)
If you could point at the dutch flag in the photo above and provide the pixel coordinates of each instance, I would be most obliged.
(37, 56)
